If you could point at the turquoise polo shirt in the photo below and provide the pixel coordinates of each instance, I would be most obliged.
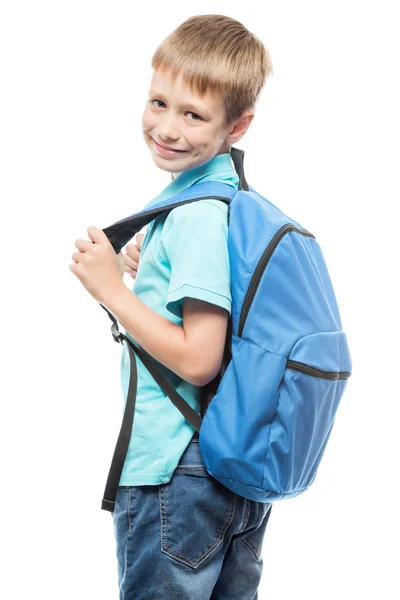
(183, 254)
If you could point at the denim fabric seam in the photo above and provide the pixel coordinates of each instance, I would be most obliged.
(249, 543)
(245, 516)
(252, 547)
(183, 467)
(129, 510)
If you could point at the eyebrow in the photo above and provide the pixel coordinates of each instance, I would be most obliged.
(196, 109)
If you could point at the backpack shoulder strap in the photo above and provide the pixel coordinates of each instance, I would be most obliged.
(122, 231)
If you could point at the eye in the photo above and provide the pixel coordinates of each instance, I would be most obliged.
(199, 119)
(155, 100)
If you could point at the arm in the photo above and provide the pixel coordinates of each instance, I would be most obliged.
(194, 242)
(194, 351)
(205, 327)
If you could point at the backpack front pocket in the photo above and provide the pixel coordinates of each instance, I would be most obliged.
(315, 377)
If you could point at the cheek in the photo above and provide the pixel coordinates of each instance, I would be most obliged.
(148, 120)
(198, 137)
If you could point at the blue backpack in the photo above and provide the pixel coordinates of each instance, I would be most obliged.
(267, 417)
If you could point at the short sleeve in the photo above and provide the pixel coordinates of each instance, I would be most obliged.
(196, 245)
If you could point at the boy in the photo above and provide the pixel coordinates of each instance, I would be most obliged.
(180, 534)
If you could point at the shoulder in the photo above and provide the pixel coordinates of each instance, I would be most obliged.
(204, 206)
(205, 211)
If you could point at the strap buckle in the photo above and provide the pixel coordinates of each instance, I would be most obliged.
(116, 333)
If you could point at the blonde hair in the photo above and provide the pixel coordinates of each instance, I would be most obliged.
(217, 54)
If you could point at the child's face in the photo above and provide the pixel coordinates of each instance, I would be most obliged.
(197, 131)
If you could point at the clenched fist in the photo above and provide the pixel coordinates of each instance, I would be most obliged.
(132, 256)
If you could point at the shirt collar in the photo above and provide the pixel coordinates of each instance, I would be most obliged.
(220, 167)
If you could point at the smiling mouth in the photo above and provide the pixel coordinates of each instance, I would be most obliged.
(165, 148)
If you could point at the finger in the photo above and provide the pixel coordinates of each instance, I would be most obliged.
(130, 262)
(83, 245)
(132, 251)
(139, 240)
(130, 271)
(97, 235)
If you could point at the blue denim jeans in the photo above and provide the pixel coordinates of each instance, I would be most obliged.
(189, 539)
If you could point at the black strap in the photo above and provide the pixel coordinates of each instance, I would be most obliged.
(122, 445)
(187, 411)
(238, 159)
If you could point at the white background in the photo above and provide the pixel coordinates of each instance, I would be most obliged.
(323, 146)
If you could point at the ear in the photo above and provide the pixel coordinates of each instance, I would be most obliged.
(240, 128)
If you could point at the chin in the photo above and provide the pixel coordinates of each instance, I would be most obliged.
(162, 165)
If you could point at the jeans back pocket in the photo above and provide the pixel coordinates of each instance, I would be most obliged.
(195, 512)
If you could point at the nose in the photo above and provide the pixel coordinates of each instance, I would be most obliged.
(169, 130)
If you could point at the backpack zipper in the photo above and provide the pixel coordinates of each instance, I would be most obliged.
(260, 268)
(293, 365)
(251, 292)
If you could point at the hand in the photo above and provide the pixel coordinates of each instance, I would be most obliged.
(132, 256)
(97, 266)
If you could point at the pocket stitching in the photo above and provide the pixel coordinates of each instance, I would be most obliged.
(175, 555)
